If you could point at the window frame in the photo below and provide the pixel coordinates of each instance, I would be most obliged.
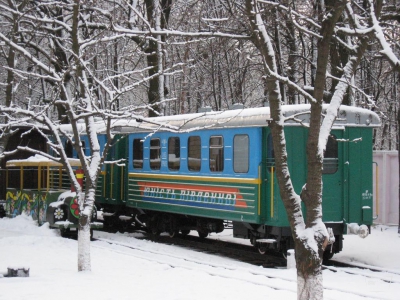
(330, 164)
(155, 149)
(140, 152)
(219, 160)
(176, 142)
(236, 152)
(192, 167)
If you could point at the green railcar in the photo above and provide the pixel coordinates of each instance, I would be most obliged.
(110, 191)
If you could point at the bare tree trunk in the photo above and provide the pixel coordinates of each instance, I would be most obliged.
(84, 248)
(84, 233)
(293, 58)
(154, 53)
(308, 259)
(398, 152)
(84, 219)
(185, 84)
(11, 63)
(160, 56)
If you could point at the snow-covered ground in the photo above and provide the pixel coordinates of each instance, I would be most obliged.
(147, 270)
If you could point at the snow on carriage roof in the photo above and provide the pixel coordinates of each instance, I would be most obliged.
(40, 160)
(295, 116)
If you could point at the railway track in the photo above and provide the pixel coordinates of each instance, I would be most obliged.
(243, 253)
(238, 252)
(260, 276)
(225, 270)
(248, 254)
(373, 272)
(336, 263)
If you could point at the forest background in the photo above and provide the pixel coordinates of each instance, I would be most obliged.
(199, 51)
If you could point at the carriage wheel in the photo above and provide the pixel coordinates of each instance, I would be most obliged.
(262, 248)
(202, 234)
(155, 232)
(64, 232)
(327, 255)
(173, 233)
(185, 232)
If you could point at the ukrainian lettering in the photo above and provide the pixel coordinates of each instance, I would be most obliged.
(191, 196)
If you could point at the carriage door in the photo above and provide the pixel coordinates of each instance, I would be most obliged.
(271, 189)
(333, 181)
(115, 172)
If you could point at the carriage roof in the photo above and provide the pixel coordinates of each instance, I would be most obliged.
(296, 115)
(40, 161)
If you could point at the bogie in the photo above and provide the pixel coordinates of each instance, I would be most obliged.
(157, 223)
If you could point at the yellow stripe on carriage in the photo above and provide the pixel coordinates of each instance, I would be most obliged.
(197, 178)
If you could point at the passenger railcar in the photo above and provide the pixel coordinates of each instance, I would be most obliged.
(196, 171)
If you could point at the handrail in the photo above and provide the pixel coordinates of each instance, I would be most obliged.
(272, 192)
(259, 189)
(376, 190)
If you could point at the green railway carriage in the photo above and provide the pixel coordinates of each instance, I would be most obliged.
(110, 191)
(193, 172)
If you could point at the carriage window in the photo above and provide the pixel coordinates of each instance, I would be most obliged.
(194, 153)
(330, 164)
(174, 153)
(68, 149)
(270, 153)
(155, 154)
(138, 154)
(216, 154)
(241, 153)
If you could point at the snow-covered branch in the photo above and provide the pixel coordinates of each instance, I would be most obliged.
(387, 50)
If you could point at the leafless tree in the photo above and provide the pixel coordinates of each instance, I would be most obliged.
(308, 229)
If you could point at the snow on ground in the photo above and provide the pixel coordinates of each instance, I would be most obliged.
(148, 270)
(381, 248)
